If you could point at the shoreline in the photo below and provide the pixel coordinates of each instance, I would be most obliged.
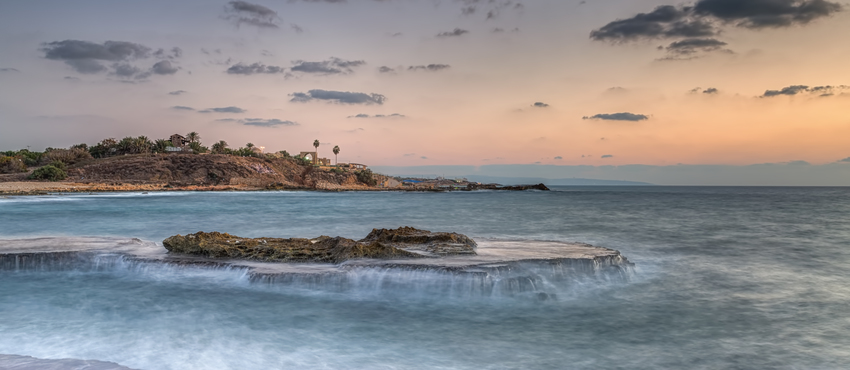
(24, 188)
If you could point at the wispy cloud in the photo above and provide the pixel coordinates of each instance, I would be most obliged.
(341, 97)
(243, 12)
(223, 110)
(625, 116)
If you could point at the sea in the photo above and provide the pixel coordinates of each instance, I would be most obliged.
(723, 278)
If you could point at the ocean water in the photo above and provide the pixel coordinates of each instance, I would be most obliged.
(724, 278)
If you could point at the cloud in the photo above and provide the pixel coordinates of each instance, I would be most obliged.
(430, 67)
(491, 8)
(363, 115)
(790, 90)
(385, 69)
(88, 57)
(8, 70)
(766, 13)
(330, 66)
(177, 92)
(274, 122)
(559, 158)
(174, 53)
(707, 18)
(223, 110)
(607, 156)
(665, 21)
(164, 67)
(540, 105)
(181, 107)
(710, 90)
(625, 116)
(85, 50)
(845, 160)
(692, 46)
(242, 12)
(298, 29)
(256, 68)
(454, 33)
(340, 97)
(423, 157)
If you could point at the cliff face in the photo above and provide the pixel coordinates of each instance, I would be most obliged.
(207, 170)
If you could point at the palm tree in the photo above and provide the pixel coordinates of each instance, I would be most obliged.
(193, 137)
(316, 145)
(219, 147)
(336, 154)
(249, 145)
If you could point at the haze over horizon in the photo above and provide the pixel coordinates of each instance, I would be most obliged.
(716, 91)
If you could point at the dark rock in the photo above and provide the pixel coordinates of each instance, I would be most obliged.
(404, 242)
(321, 249)
(423, 241)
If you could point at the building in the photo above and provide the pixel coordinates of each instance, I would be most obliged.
(314, 157)
(178, 141)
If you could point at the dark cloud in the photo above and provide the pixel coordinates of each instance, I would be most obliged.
(330, 66)
(430, 67)
(8, 70)
(710, 90)
(256, 68)
(845, 160)
(174, 53)
(242, 12)
(177, 92)
(491, 8)
(164, 67)
(692, 46)
(423, 157)
(125, 70)
(766, 13)
(85, 50)
(540, 105)
(71, 78)
(363, 115)
(559, 158)
(274, 122)
(385, 69)
(181, 107)
(87, 57)
(341, 97)
(501, 30)
(663, 22)
(790, 90)
(454, 33)
(223, 110)
(298, 29)
(625, 116)
(705, 18)
(607, 156)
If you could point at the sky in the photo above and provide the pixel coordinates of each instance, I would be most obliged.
(545, 86)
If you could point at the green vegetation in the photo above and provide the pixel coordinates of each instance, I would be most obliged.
(365, 176)
(336, 154)
(49, 172)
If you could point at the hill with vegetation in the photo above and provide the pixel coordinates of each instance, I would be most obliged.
(138, 161)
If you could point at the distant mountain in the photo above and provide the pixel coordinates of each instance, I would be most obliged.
(555, 182)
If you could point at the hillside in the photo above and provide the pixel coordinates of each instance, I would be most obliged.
(184, 170)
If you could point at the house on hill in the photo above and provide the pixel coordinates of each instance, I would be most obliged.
(178, 143)
(314, 157)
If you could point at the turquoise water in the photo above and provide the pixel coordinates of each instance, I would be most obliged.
(724, 278)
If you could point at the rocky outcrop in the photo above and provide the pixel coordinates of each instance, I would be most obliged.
(401, 243)
(510, 187)
(423, 241)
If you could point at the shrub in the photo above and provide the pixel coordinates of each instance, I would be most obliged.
(10, 164)
(365, 176)
(67, 156)
(48, 172)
